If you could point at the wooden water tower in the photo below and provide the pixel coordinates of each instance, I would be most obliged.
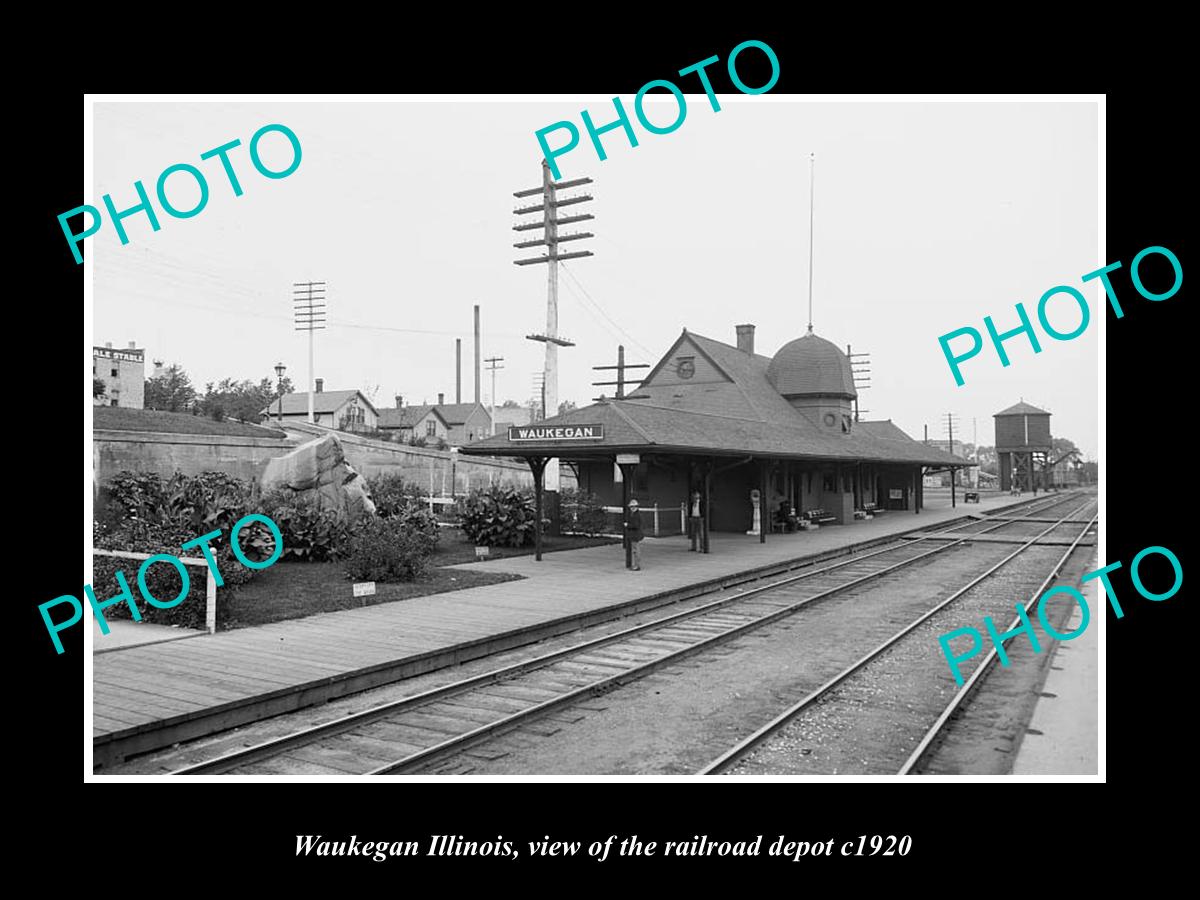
(1022, 443)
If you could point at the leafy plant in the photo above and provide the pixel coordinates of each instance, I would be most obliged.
(386, 550)
(309, 532)
(393, 494)
(163, 580)
(498, 517)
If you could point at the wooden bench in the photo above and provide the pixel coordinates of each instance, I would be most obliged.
(872, 509)
(819, 516)
(971, 497)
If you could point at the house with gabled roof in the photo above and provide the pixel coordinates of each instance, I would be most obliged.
(343, 410)
(455, 423)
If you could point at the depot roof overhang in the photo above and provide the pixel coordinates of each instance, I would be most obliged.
(630, 427)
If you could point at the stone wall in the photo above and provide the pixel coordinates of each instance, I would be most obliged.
(246, 457)
(165, 454)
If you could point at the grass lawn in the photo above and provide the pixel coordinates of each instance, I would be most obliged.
(293, 590)
(120, 418)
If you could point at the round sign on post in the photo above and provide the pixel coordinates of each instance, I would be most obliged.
(755, 502)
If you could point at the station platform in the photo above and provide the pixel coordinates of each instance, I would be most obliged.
(153, 695)
(1061, 738)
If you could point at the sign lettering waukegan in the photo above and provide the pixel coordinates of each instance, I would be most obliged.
(556, 432)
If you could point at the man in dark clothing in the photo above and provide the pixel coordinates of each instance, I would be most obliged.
(633, 528)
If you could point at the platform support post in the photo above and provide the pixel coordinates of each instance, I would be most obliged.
(537, 464)
(707, 518)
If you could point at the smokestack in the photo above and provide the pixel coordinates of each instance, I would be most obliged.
(108, 344)
(458, 370)
(320, 385)
(441, 399)
(399, 401)
(745, 338)
(476, 352)
(133, 345)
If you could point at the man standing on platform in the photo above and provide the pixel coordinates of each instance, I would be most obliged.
(633, 528)
(694, 521)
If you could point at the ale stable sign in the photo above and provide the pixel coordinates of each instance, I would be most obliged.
(556, 432)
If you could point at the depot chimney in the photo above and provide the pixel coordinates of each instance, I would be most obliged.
(320, 385)
(399, 401)
(745, 338)
(441, 399)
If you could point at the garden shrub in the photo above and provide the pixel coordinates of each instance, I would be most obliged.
(583, 512)
(381, 549)
(162, 579)
(142, 513)
(393, 494)
(422, 521)
(309, 532)
(499, 517)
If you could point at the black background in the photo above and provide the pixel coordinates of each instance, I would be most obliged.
(209, 836)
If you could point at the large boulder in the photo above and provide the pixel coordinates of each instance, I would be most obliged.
(319, 470)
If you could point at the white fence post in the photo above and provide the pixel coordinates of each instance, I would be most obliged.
(683, 518)
(656, 518)
(210, 602)
(210, 585)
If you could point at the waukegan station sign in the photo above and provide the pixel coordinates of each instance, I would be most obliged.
(556, 433)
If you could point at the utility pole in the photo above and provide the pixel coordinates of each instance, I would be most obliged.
(550, 220)
(861, 372)
(621, 381)
(494, 364)
(308, 300)
(539, 394)
(953, 469)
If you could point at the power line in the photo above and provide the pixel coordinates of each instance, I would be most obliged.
(599, 308)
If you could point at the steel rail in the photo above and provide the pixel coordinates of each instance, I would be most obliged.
(303, 737)
(977, 676)
(745, 746)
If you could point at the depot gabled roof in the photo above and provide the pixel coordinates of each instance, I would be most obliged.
(705, 397)
(641, 426)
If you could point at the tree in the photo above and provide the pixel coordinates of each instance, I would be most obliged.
(242, 400)
(510, 404)
(566, 406)
(99, 388)
(170, 390)
(1060, 447)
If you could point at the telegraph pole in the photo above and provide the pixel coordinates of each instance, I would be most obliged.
(308, 301)
(494, 364)
(550, 220)
(621, 381)
(953, 470)
(539, 394)
(861, 372)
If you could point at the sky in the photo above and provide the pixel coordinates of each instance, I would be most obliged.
(928, 217)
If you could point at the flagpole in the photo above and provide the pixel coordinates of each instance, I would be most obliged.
(812, 162)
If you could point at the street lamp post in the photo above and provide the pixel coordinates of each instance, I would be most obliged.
(280, 368)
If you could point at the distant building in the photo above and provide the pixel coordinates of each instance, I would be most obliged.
(1023, 444)
(123, 373)
(343, 410)
(455, 423)
(512, 415)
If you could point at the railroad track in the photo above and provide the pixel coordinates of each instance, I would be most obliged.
(833, 695)
(417, 731)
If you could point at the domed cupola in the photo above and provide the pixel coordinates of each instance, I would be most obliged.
(816, 378)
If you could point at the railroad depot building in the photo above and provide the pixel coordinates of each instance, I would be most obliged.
(723, 421)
